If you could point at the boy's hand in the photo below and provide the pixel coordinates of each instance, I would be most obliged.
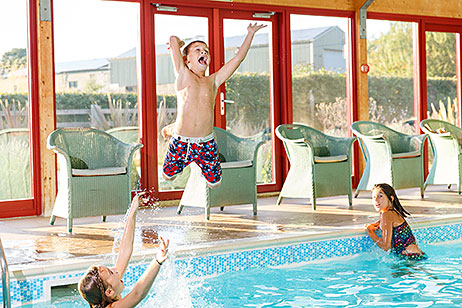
(254, 28)
(162, 254)
(180, 42)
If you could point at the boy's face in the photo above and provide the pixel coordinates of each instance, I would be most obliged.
(198, 56)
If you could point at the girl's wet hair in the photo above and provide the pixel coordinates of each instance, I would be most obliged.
(186, 49)
(92, 289)
(391, 195)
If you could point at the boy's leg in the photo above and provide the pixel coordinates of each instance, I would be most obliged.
(175, 159)
(207, 159)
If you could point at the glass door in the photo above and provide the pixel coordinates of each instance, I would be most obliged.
(188, 24)
(18, 192)
(246, 101)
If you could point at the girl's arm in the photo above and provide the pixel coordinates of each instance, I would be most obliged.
(177, 58)
(386, 225)
(126, 243)
(142, 287)
(228, 69)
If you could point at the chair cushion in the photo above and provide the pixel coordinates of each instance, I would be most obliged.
(237, 164)
(77, 163)
(330, 159)
(99, 171)
(406, 154)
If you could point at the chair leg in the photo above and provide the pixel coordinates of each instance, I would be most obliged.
(313, 203)
(422, 190)
(52, 219)
(222, 208)
(279, 200)
(207, 213)
(104, 218)
(179, 209)
(449, 186)
(69, 225)
(350, 201)
(356, 192)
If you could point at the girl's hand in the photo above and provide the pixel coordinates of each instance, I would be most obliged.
(372, 227)
(137, 201)
(162, 254)
(254, 28)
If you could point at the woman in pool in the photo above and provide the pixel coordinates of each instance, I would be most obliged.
(102, 287)
(396, 233)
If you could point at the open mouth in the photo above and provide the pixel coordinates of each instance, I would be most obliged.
(202, 60)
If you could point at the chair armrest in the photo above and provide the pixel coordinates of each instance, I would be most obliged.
(416, 142)
(125, 154)
(340, 146)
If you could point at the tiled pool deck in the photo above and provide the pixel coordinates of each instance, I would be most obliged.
(33, 246)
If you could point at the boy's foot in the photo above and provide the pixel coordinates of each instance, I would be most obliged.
(168, 178)
(214, 185)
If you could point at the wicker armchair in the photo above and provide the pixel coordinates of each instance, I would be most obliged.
(93, 178)
(320, 165)
(446, 143)
(391, 157)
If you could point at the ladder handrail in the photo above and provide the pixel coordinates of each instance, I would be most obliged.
(5, 278)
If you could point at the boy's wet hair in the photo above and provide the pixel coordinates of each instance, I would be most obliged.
(92, 289)
(187, 47)
(391, 195)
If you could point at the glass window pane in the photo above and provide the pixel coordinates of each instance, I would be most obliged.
(192, 28)
(391, 75)
(14, 124)
(442, 76)
(319, 52)
(249, 90)
(96, 72)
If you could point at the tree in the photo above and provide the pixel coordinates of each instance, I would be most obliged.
(14, 59)
(391, 54)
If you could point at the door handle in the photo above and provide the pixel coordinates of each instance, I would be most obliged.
(224, 101)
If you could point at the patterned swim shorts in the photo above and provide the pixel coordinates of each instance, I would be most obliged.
(183, 150)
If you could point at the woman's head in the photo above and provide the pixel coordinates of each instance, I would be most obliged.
(385, 198)
(100, 286)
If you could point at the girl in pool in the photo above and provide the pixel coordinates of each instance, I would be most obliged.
(102, 287)
(396, 233)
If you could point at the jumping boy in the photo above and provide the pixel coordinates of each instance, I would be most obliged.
(192, 132)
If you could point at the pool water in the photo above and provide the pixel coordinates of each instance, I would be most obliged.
(375, 279)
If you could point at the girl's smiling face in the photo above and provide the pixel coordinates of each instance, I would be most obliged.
(380, 200)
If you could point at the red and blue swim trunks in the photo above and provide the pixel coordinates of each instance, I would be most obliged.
(184, 150)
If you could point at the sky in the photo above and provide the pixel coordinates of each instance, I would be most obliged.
(92, 29)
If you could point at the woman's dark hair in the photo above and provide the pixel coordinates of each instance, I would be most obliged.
(186, 49)
(391, 195)
(92, 289)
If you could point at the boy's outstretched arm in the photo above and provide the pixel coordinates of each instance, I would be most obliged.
(142, 287)
(177, 58)
(126, 243)
(228, 69)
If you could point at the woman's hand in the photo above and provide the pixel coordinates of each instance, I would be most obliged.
(162, 254)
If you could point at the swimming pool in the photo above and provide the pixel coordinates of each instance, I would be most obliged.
(342, 272)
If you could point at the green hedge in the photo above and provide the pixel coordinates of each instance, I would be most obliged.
(251, 94)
